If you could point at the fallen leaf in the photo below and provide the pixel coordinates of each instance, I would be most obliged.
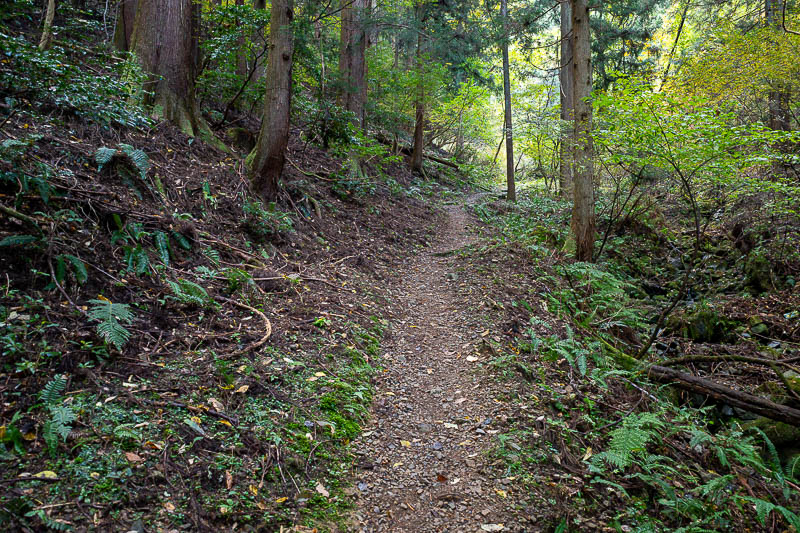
(228, 479)
(405, 443)
(242, 389)
(460, 401)
(46, 474)
(441, 478)
(216, 404)
(197, 420)
(492, 527)
(501, 493)
(471, 358)
(319, 374)
(312, 378)
(225, 422)
(322, 490)
(281, 499)
(588, 454)
(253, 490)
(448, 425)
(133, 458)
(169, 506)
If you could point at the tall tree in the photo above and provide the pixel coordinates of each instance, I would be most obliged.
(778, 97)
(582, 227)
(126, 16)
(164, 40)
(269, 155)
(565, 78)
(47, 32)
(352, 58)
(511, 192)
(419, 104)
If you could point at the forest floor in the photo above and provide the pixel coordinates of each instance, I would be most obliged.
(425, 453)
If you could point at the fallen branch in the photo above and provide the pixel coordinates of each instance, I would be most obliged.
(742, 400)
(13, 213)
(267, 327)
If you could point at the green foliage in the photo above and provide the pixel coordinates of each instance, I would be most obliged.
(189, 292)
(53, 78)
(110, 318)
(18, 240)
(76, 265)
(61, 418)
(632, 437)
(265, 221)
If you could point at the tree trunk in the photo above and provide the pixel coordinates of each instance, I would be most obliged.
(164, 43)
(778, 97)
(419, 122)
(123, 30)
(511, 190)
(582, 227)
(567, 111)
(352, 59)
(47, 31)
(269, 155)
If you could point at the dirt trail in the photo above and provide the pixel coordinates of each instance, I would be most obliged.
(423, 466)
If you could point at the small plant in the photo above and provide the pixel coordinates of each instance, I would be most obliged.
(190, 293)
(110, 318)
(265, 221)
(61, 416)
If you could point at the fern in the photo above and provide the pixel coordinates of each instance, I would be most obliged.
(182, 241)
(127, 432)
(18, 240)
(103, 156)
(212, 256)
(137, 157)
(61, 416)
(110, 317)
(764, 508)
(632, 436)
(51, 393)
(191, 293)
(162, 246)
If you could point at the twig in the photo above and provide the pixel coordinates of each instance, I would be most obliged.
(267, 326)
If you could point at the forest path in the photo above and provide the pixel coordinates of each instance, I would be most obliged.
(424, 466)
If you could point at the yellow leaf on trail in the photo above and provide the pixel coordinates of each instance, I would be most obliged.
(196, 420)
(501, 493)
(253, 490)
(405, 443)
(225, 422)
(242, 389)
(281, 499)
(46, 474)
(228, 479)
(169, 506)
(322, 490)
(320, 374)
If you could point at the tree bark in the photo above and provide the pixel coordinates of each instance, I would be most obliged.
(742, 400)
(269, 155)
(419, 118)
(352, 59)
(778, 97)
(164, 42)
(47, 31)
(567, 106)
(124, 27)
(511, 191)
(582, 227)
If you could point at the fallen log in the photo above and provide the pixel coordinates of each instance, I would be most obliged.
(735, 398)
(407, 151)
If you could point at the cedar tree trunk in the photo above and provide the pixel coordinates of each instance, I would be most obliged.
(582, 227)
(511, 190)
(352, 59)
(123, 30)
(567, 129)
(269, 155)
(163, 40)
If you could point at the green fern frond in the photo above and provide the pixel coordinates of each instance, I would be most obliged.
(162, 246)
(62, 417)
(191, 293)
(18, 240)
(109, 317)
(137, 157)
(126, 432)
(51, 393)
(78, 267)
(103, 156)
(182, 241)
